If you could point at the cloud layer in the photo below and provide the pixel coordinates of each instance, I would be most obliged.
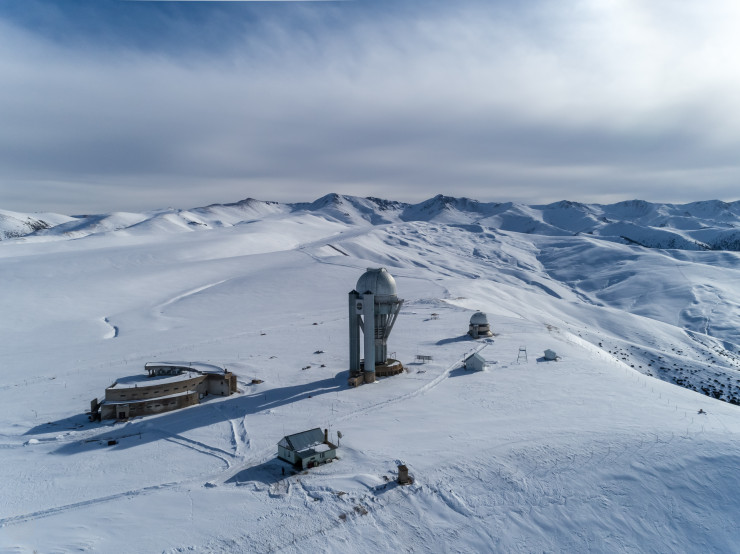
(140, 107)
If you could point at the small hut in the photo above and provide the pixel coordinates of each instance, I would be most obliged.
(475, 362)
(307, 449)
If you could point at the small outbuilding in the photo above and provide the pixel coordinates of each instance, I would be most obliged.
(307, 449)
(479, 326)
(475, 362)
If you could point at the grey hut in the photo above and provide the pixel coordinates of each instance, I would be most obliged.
(475, 362)
(307, 449)
(479, 326)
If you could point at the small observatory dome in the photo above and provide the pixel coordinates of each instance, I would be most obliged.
(479, 318)
(377, 281)
(479, 326)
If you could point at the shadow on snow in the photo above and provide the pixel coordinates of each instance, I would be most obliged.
(269, 472)
(461, 338)
(71, 423)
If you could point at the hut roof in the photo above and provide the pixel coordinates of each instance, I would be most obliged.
(303, 440)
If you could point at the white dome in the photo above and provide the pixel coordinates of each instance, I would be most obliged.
(377, 281)
(479, 318)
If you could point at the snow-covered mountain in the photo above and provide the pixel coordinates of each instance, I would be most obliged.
(711, 225)
(14, 224)
(603, 450)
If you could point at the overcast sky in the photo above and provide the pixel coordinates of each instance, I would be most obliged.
(109, 105)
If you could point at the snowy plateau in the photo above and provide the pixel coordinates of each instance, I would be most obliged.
(627, 443)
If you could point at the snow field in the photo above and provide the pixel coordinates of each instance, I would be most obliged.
(582, 454)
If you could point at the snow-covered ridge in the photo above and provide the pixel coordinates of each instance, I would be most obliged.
(706, 225)
(15, 224)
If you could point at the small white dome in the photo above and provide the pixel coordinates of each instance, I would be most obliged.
(479, 318)
(377, 281)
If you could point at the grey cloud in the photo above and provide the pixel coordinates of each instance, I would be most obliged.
(479, 104)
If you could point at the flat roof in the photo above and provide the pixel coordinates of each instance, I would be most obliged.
(143, 380)
(200, 367)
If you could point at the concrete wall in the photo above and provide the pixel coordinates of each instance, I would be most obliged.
(153, 391)
(221, 384)
(319, 458)
(285, 454)
(148, 407)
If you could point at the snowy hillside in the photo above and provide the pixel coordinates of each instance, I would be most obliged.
(600, 450)
(14, 224)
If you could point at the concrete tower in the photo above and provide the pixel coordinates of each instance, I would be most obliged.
(373, 310)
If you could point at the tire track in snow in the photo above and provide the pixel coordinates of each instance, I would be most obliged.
(14, 520)
(199, 447)
(239, 434)
(160, 307)
(421, 390)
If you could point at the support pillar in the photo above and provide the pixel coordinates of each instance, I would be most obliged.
(354, 333)
(368, 312)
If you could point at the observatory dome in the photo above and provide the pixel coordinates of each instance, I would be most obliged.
(378, 281)
(479, 318)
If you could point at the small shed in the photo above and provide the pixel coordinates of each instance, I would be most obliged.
(475, 362)
(307, 449)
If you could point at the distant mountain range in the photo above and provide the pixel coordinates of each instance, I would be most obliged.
(706, 225)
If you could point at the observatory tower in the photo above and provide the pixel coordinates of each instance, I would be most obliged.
(373, 310)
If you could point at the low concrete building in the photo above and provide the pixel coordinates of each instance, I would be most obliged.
(166, 387)
(307, 449)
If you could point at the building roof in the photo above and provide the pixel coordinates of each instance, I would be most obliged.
(476, 360)
(200, 367)
(133, 381)
(302, 441)
(476, 356)
(377, 281)
(479, 318)
(187, 370)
